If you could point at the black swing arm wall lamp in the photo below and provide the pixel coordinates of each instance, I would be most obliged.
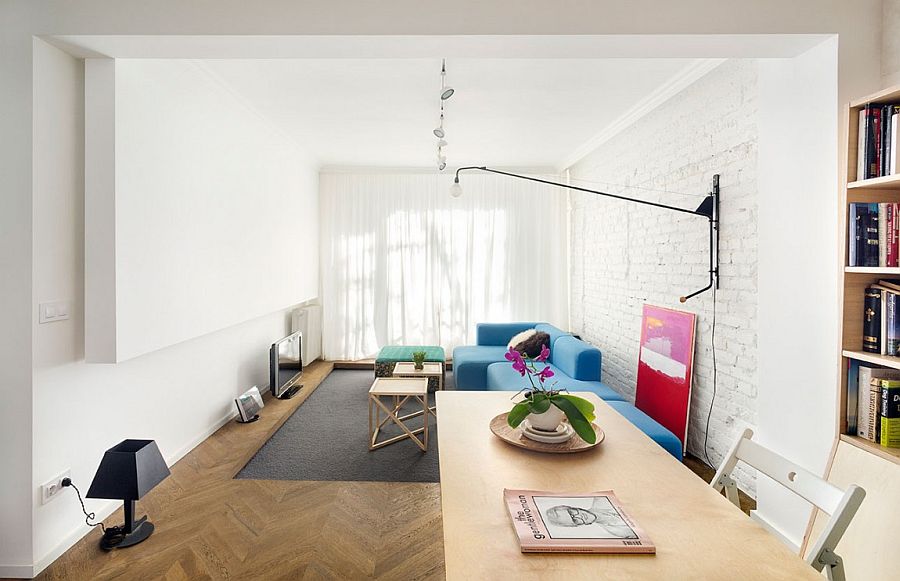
(708, 208)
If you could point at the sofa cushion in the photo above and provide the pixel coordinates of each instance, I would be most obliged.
(649, 426)
(575, 358)
(531, 345)
(470, 363)
(502, 377)
(499, 333)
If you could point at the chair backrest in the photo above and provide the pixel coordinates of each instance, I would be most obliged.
(840, 504)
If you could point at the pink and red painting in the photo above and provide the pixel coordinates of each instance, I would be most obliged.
(665, 368)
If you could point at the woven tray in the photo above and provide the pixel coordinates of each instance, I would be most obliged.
(514, 437)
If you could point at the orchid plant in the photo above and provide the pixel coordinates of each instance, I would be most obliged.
(541, 396)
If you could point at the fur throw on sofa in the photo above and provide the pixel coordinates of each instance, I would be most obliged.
(529, 342)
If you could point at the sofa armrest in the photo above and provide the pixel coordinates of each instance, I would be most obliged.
(577, 359)
(499, 334)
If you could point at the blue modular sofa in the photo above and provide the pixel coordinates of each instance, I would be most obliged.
(576, 365)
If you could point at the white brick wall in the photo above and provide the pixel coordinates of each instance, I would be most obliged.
(623, 254)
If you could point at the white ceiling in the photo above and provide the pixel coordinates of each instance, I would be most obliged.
(506, 112)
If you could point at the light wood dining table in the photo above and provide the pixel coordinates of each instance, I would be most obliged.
(698, 534)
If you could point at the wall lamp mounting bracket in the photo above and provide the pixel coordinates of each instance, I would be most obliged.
(708, 208)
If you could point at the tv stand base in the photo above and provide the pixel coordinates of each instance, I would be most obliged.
(291, 392)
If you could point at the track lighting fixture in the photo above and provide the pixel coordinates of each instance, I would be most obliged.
(446, 93)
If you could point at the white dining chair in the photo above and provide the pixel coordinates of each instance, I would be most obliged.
(841, 505)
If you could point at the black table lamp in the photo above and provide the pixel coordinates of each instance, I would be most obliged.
(127, 472)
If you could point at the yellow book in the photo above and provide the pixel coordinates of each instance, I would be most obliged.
(890, 413)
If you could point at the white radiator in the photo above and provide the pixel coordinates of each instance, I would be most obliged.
(308, 321)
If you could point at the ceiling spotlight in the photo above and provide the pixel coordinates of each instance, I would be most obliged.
(441, 144)
(439, 132)
(442, 166)
(456, 189)
(446, 92)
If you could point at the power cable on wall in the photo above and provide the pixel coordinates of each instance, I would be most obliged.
(715, 378)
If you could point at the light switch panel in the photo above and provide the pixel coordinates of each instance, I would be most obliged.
(53, 311)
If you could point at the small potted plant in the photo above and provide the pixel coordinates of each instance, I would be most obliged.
(545, 406)
(419, 360)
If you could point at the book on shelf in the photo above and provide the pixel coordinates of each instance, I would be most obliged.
(873, 430)
(852, 395)
(872, 320)
(869, 395)
(594, 522)
(895, 151)
(870, 237)
(892, 237)
(873, 235)
(890, 413)
(877, 141)
(881, 319)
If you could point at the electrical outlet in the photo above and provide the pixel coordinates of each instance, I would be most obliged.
(53, 487)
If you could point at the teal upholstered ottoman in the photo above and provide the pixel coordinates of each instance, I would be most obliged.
(390, 355)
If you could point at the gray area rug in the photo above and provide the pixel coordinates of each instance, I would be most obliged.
(327, 439)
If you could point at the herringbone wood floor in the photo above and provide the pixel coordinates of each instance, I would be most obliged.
(210, 526)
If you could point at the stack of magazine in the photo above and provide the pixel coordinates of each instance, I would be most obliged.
(595, 522)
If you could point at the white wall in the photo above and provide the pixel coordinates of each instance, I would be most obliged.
(214, 209)
(890, 43)
(798, 242)
(177, 395)
(624, 255)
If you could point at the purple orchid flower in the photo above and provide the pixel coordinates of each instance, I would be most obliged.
(545, 373)
(545, 353)
(517, 362)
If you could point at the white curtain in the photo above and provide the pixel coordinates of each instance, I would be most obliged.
(404, 263)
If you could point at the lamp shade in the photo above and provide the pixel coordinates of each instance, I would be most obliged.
(128, 471)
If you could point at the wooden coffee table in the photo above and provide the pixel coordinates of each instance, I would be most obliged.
(397, 391)
(408, 369)
(697, 532)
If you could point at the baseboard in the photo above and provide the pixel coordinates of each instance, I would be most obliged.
(17, 572)
(775, 531)
(26, 572)
(183, 451)
(73, 537)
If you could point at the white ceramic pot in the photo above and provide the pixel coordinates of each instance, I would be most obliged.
(547, 421)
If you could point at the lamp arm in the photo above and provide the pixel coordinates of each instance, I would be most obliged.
(599, 193)
(709, 209)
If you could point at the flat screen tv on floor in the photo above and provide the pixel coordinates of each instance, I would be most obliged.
(285, 366)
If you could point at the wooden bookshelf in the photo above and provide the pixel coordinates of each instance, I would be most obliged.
(892, 454)
(854, 279)
(874, 358)
(891, 182)
(879, 270)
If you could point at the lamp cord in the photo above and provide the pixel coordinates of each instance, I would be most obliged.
(88, 516)
(715, 378)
